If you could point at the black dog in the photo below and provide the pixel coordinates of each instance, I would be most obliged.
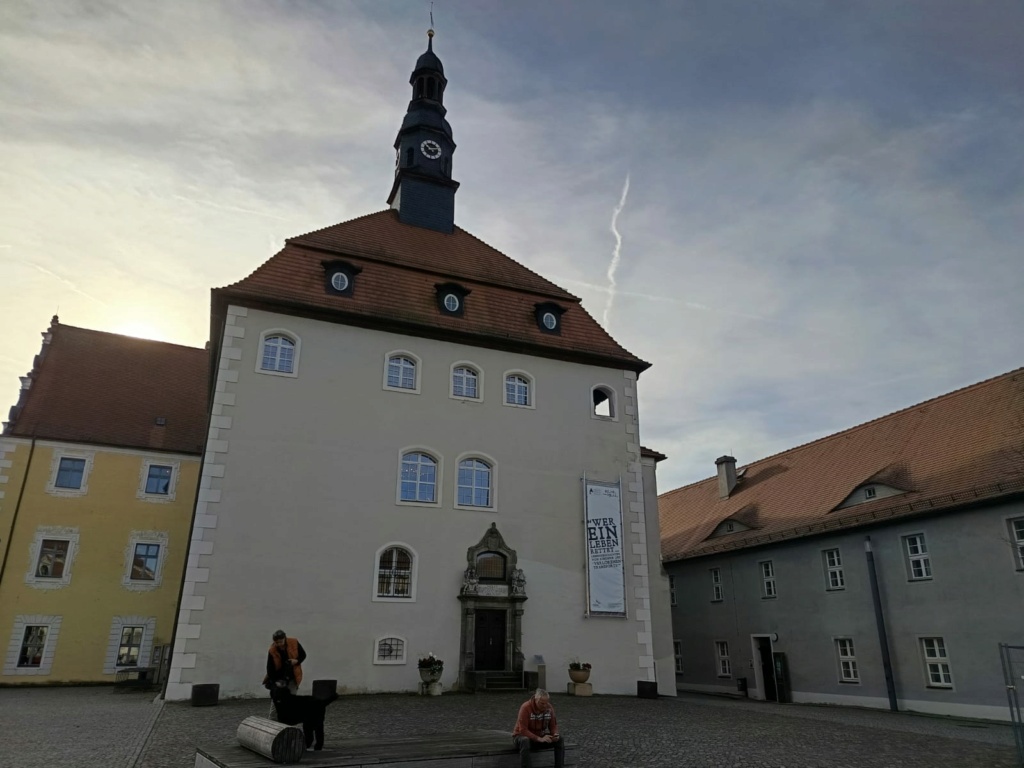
(293, 709)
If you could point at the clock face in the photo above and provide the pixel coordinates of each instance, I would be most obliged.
(430, 149)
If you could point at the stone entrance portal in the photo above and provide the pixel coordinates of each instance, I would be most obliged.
(492, 596)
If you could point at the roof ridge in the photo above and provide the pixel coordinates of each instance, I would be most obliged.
(870, 422)
(336, 224)
(61, 326)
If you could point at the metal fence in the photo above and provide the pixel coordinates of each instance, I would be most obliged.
(1012, 657)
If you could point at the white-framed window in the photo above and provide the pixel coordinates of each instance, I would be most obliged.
(672, 590)
(158, 480)
(768, 579)
(389, 650)
(717, 592)
(394, 574)
(677, 651)
(402, 372)
(519, 390)
(130, 643)
(419, 478)
(833, 562)
(32, 645)
(69, 473)
(279, 353)
(1017, 541)
(51, 555)
(919, 565)
(938, 673)
(869, 493)
(722, 657)
(602, 399)
(847, 658)
(467, 381)
(144, 560)
(475, 483)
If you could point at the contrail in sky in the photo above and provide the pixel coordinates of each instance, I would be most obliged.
(616, 253)
(70, 285)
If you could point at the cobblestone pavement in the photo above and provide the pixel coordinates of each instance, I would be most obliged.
(97, 728)
(623, 732)
(73, 727)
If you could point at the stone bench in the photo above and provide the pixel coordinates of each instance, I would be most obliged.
(468, 749)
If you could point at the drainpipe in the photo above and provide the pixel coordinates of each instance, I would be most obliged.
(17, 507)
(883, 641)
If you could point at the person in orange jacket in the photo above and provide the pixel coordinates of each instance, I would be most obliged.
(284, 662)
(537, 728)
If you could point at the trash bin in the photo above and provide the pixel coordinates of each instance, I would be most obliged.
(741, 685)
(205, 694)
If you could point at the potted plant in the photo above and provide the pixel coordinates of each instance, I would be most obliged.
(431, 668)
(579, 671)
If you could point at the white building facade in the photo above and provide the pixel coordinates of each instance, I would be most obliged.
(404, 426)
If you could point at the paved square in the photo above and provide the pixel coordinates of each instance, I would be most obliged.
(97, 728)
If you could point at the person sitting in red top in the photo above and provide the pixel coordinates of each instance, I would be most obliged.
(537, 728)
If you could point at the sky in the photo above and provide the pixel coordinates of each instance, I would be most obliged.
(805, 214)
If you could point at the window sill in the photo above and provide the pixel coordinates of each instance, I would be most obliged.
(382, 599)
(517, 405)
(849, 682)
(922, 578)
(720, 600)
(474, 508)
(390, 662)
(769, 597)
(940, 687)
(282, 374)
(835, 589)
(725, 677)
(428, 504)
(466, 399)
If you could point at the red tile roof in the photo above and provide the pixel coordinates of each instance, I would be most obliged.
(962, 447)
(103, 388)
(401, 265)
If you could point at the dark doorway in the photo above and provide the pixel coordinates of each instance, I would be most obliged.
(489, 643)
(764, 658)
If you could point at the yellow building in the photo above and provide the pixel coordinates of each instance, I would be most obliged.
(99, 464)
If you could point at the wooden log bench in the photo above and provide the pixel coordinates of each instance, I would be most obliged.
(467, 749)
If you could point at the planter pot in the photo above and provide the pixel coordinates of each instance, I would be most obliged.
(428, 676)
(579, 675)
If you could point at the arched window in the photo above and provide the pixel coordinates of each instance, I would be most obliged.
(465, 381)
(517, 390)
(447, 167)
(394, 573)
(490, 566)
(389, 650)
(419, 478)
(431, 88)
(409, 156)
(419, 88)
(474, 483)
(401, 372)
(278, 354)
(603, 398)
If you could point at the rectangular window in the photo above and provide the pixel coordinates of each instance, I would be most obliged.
(919, 565)
(130, 646)
(53, 555)
(677, 649)
(672, 590)
(32, 645)
(716, 585)
(1017, 537)
(722, 654)
(847, 661)
(768, 579)
(391, 650)
(936, 662)
(869, 493)
(144, 562)
(69, 473)
(159, 480)
(834, 578)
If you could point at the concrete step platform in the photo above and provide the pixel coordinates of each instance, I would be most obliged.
(468, 749)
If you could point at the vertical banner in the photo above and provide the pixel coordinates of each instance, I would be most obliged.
(606, 579)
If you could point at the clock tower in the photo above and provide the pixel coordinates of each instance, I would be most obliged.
(424, 192)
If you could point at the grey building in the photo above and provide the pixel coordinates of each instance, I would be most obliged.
(771, 564)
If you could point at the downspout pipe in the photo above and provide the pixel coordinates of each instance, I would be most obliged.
(883, 640)
(17, 508)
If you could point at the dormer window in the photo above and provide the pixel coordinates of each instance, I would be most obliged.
(727, 527)
(451, 298)
(549, 317)
(869, 492)
(340, 276)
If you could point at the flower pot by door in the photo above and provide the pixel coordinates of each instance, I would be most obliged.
(579, 675)
(429, 676)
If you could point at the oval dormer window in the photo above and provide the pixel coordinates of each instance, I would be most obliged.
(451, 302)
(549, 320)
(339, 281)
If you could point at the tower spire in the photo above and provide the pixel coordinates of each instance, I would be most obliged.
(423, 192)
